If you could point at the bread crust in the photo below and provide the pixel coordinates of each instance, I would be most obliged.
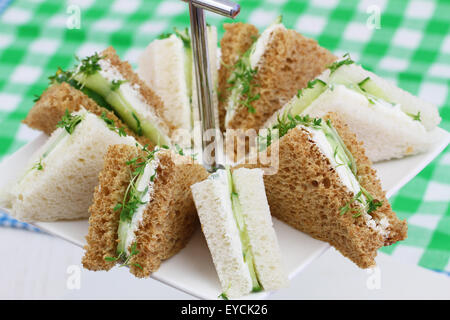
(237, 39)
(59, 97)
(103, 220)
(290, 61)
(125, 69)
(306, 193)
(169, 220)
(54, 101)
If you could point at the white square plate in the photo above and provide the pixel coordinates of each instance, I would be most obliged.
(192, 270)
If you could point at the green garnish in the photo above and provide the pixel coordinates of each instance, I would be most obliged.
(89, 65)
(310, 85)
(115, 84)
(223, 295)
(179, 150)
(67, 76)
(138, 124)
(69, 122)
(110, 123)
(38, 165)
(242, 79)
(164, 35)
(60, 76)
(126, 260)
(288, 122)
(356, 211)
(133, 198)
(361, 84)
(336, 65)
(184, 36)
(36, 98)
(415, 117)
(279, 19)
(369, 204)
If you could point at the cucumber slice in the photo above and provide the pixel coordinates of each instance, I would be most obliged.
(237, 212)
(123, 108)
(369, 86)
(229, 180)
(306, 96)
(248, 259)
(122, 232)
(245, 241)
(339, 146)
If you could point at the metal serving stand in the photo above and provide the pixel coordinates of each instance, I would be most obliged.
(203, 74)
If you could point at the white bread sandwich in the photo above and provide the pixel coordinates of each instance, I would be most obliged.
(267, 74)
(237, 225)
(390, 122)
(143, 211)
(58, 183)
(325, 186)
(102, 83)
(166, 65)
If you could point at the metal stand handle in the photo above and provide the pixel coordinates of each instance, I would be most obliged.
(202, 67)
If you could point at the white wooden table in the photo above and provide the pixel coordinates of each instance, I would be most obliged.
(38, 266)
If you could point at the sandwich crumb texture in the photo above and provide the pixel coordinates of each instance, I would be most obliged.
(168, 220)
(307, 193)
(63, 188)
(249, 185)
(289, 62)
(212, 199)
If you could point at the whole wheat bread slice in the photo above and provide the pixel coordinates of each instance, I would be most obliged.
(51, 106)
(169, 219)
(290, 61)
(306, 193)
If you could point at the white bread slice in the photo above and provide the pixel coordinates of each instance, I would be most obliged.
(213, 203)
(428, 112)
(386, 133)
(249, 185)
(64, 188)
(162, 67)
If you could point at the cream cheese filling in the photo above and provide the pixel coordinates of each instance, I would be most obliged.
(131, 94)
(347, 178)
(144, 182)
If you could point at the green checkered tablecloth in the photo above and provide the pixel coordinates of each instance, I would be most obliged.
(411, 48)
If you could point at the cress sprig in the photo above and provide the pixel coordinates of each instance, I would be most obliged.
(242, 79)
(69, 121)
(126, 259)
(368, 205)
(287, 122)
(132, 198)
(336, 65)
(110, 123)
(89, 65)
